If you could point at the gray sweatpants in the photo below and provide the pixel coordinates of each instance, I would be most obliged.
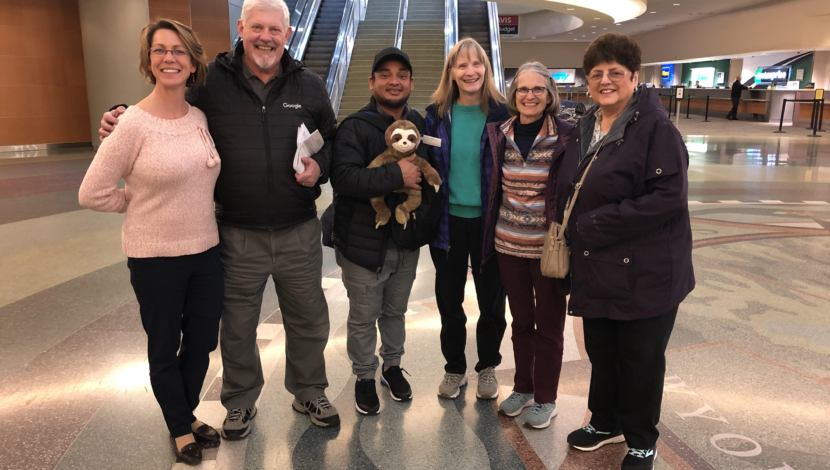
(378, 298)
(294, 258)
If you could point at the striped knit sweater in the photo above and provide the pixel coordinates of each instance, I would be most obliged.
(520, 230)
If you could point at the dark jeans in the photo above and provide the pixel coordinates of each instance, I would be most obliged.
(180, 300)
(628, 364)
(538, 311)
(734, 112)
(450, 278)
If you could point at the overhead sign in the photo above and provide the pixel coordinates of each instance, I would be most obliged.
(770, 75)
(563, 76)
(667, 73)
(509, 25)
(703, 76)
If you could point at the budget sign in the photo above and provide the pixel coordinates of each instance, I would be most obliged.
(509, 24)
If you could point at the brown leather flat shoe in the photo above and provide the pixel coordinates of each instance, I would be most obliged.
(207, 436)
(190, 454)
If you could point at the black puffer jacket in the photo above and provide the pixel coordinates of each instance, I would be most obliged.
(356, 144)
(257, 141)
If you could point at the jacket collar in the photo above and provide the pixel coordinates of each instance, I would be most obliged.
(644, 101)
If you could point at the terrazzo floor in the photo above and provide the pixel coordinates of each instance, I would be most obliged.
(747, 384)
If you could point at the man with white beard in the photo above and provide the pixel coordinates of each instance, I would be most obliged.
(255, 98)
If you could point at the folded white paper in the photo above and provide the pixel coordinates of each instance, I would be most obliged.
(307, 145)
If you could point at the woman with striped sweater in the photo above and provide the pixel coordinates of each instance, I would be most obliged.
(525, 153)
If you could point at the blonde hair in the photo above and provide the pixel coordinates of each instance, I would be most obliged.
(553, 92)
(266, 5)
(190, 41)
(447, 92)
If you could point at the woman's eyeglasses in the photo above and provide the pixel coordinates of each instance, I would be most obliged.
(163, 52)
(614, 75)
(537, 90)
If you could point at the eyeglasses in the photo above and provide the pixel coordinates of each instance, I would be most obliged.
(537, 90)
(614, 75)
(178, 53)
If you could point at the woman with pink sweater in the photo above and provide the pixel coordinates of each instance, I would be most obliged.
(165, 155)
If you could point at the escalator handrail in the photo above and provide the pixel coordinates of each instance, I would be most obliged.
(353, 12)
(305, 24)
(450, 25)
(495, 46)
(404, 6)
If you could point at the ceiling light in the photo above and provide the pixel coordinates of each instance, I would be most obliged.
(605, 29)
(593, 26)
(570, 33)
(596, 18)
(618, 10)
(652, 12)
(619, 24)
(594, 32)
(677, 4)
(571, 9)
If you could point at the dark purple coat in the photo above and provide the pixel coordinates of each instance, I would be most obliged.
(493, 159)
(630, 234)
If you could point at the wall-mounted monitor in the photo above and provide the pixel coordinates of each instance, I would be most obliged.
(770, 75)
(667, 74)
(563, 76)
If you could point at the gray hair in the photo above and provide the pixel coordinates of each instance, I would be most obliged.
(550, 84)
(266, 5)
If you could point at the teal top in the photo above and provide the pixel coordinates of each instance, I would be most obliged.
(465, 160)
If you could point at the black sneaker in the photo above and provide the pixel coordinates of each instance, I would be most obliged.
(237, 423)
(639, 459)
(398, 386)
(588, 438)
(366, 397)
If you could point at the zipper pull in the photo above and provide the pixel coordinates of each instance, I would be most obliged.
(263, 114)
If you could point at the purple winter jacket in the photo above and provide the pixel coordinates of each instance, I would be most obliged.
(629, 232)
(493, 158)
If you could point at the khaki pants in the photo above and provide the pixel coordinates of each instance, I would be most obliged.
(294, 258)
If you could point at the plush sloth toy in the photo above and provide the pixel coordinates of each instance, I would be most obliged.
(403, 138)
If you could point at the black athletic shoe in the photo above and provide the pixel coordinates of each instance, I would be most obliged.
(398, 386)
(588, 438)
(639, 459)
(366, 397)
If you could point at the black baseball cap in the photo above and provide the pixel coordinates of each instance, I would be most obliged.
(391, 53)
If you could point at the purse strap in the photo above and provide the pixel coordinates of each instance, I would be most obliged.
(576, 192)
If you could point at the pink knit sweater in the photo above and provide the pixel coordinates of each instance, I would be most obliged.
(170, 168)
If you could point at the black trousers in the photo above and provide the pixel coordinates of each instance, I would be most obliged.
(628, 365)
(180, 300)
(733, 113)
(450, 278)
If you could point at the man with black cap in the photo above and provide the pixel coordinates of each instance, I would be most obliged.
(378, 264)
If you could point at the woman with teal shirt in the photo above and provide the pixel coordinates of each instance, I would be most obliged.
(465, 101)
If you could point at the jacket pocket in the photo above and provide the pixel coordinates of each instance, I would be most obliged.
(608, 272)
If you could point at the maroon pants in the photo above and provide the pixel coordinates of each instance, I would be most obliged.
(538, 325)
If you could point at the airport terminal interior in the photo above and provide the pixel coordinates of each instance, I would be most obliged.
(747, 383)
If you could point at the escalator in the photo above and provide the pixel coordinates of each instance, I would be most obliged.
(323, 39)
(473, 22)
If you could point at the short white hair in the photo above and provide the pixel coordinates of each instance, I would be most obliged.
(266, 5)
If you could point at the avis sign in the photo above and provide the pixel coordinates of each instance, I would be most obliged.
(509, 25)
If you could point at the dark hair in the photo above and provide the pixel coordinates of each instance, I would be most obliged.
(190, 41)
(612, 47)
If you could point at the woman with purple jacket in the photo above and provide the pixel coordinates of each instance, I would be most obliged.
(522, 156)
(631, 247)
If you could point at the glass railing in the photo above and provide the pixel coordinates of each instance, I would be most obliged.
(404, 6)
(302, 22)
(495, 46)
(451, 25)
(353, 13)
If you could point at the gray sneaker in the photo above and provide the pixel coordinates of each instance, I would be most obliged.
(540, 415)
(488, 386)
(451, 386)
(237, 423)
(321, 412)
(515, 403)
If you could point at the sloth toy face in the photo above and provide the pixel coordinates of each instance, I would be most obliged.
(403, 137)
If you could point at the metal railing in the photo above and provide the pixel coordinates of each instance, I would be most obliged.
(302, 22)
(495, 46)
(354, 11)
(450, 25)
(401, 18)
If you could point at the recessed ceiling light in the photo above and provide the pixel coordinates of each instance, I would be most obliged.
(652, 12)
(593, 26)
(619, 24)
(571, 9)
(596, 18)
(575, 39)
(594, 32)
(583, 35)
(570, 33)
(533, 37)
(605, 29)
(677, 4)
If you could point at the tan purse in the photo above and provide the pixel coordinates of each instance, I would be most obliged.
(556, 255)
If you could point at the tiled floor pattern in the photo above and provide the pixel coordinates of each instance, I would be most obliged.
(747, 386)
